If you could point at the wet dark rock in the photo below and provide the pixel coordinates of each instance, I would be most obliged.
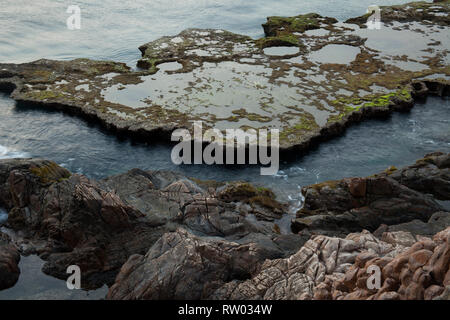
(9, 261)
(183, 266)
(389, 198)
(79, 223)
(69, 219)
(438, 222)
(217, 210)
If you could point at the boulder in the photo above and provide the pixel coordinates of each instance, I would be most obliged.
(68, 219)
(9, 260)
(392, 197)
(182, 266)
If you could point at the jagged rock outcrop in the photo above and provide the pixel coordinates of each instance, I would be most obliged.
(420, 272)
(69, 219)
(183, 266)
(390, 198)
(438, 222)
(211, 240)
(9, 260)
(214, 209)
(430, 175)
(296, 277)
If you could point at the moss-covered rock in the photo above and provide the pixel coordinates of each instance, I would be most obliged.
(49, 172)
(276, 26)
(231, 81)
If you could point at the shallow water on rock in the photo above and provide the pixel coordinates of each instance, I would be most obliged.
(169, 66)
(409, 65)
(415, 41)
(317, 32)
(281, 51)
(218, 92)
(335, 53)
(35, 285)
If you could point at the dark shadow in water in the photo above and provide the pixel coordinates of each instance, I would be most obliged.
(33, 284)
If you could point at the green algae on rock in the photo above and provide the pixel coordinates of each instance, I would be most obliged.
(232, 81)
(301, 23)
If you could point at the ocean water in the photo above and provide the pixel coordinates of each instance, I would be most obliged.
(113, 29)
(364, 149)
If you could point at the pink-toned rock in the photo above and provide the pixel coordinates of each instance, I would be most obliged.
(419, 258)
(357, 187)
(414, 292)
(415, 273)
(432, 292)
(400, 237)
(391, 295)
(9, 260)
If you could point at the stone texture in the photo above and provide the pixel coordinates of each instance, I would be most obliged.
(105, 91)
(394, 197)
(68, 219)
(9, 260)
(183, 266)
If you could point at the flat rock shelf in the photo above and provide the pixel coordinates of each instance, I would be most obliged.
(288, 80)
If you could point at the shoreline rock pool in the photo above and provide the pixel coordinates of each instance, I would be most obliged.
(228, 81)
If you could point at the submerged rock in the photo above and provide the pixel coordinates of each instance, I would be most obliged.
(231, 81)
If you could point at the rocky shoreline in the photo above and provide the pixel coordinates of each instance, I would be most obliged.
(182, 238)
(333, 94)
(162, 235)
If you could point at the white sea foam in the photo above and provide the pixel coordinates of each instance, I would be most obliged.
(7, 153)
